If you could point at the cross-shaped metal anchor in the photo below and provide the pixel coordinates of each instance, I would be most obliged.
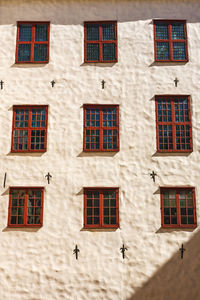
(153, 176)
(48, 176)
(176, 82)
(76, 251)
(1, 83)
(103, 83)
(123, 249)
(53, 83)
(182, 251)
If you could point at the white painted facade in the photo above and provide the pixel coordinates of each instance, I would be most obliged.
(38, 264)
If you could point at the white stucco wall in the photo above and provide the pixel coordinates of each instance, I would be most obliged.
(39, 264)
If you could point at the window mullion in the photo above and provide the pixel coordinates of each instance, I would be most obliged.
(101, 128)
(101, 208)
(100, 43)
(25, 206)
(29, 129)
(170, 42)
(178, 208)
(32, 42)
(173, 125)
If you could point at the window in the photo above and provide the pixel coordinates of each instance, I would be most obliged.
(32, 42)
(101, 128)
(170, 40)
(25, 207)
(173, 124)
(101, 207)
(178, 207)
(29, 129)
(100, 42)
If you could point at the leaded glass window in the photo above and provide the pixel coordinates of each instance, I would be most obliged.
(25, 207)
(29, 128)
(100, 41)
(174, 132)
(101, 128)
(178, 207)
(32, 42)
(170, 40)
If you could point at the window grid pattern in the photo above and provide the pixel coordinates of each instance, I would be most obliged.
(100, 41)
(101, 207)
(101, 128)
(29, 129)
(25, 207)
(178, 207)
(174, 130)
(32, 42)
(170, 41)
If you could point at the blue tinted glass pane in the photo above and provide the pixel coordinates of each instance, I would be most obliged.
(40, 52)
(25, 31)
(162, 52)
(162, 31)
(108, 52)
(24, 52)
(178, 31)
(92, 51)
(179, 51)
(92, 31)
(41, 32)
(108, 32)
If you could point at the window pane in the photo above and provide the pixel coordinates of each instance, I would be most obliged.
(162, 31)
(25, 31)
(93, 52)
(108, 32)
(110, 139)
(37, 139)
(24, 52)
(92, 139)
(92, 32)
(178, 31)
(20, 139)
(40, 52)
(162, 51)
(179, 51)
(41, 32)
(109, 52)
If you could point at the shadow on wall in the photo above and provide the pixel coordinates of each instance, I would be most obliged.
(76, 12)
(177, 279)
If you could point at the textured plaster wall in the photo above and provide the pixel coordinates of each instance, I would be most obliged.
(39, 264)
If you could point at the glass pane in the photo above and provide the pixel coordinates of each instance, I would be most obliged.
(109, 52)
(40, 52)
(162, 31)
(166, 202)
(25, 31)
(96, 220)
(92, 31)
(108, 32)
(166, 220)
(37, 219)
(178, 31)
(179, 51)
(24, 52)
(93, 52)
(29, 220)
(106, 220)
(89, 220)
(162, 51)
(113, 220)
(41, 31)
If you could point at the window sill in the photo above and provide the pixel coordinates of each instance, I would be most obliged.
(179, 227)
(28, 151)
(24, 226)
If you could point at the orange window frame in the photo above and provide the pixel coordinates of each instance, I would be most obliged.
(100, 41)
(29, 128)
(101, 207)
(25, 207)
(32, 42)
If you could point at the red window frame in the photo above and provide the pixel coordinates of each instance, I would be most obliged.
(100, 41)
(100, 127)
(25, 207)
(101, 207)
(29, 128)
(172, 99)
(170, 41)
(32, 42)
(178, 207)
